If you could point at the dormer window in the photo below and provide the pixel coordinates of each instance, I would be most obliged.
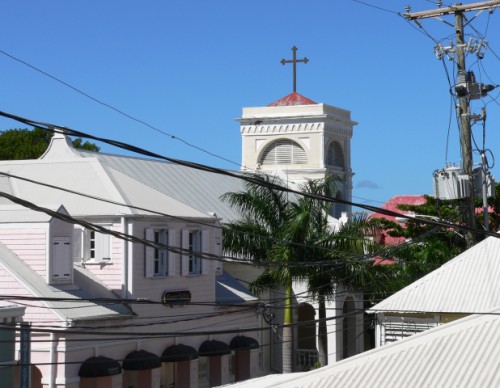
(92, 246)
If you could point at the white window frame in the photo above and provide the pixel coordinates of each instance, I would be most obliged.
(160, 263)
(194, 247)
(163, 257)
(195, 242)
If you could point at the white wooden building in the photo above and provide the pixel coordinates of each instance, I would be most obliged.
(100, 336)
(465, 285)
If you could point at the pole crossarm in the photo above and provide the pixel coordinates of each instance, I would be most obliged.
(452, 10)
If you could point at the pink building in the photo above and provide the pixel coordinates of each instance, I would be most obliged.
(383, 237)
(106, 310)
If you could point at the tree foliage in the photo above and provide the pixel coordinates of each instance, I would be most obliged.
(17, 144)
(293, 240)
(428, 246)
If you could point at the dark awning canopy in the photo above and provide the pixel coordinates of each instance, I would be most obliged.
(99, 366)
(213, 348)
(180, 352)
(140, 360)
(242, 342)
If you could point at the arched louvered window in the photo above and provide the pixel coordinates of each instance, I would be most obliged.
(335, 155)
(284, 152)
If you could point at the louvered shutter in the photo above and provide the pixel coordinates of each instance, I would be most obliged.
(103, 246)
(284, 152)
(62, 265)
(149, 254)
(86, 244)
(335, 155)
(205, 263)
(78, 244)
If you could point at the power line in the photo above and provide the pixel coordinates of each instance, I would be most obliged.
(375, 7)
(245, 177)
(109, 106)
(211, 225)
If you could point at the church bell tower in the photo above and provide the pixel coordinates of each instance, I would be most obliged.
(298, 139)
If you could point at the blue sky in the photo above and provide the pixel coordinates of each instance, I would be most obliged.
(189, 67)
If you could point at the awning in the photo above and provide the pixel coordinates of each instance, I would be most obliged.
(180, 352)
(213, 348)
(140, 360)
(99, 366)
(242, 342)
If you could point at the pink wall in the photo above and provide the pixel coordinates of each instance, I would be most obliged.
(29, 244)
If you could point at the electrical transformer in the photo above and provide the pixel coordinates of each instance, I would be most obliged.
(452, 183)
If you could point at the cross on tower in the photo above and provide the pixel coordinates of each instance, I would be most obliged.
(294, 62)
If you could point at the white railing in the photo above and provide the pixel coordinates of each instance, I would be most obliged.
(306, 359)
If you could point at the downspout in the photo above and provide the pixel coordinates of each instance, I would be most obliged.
(53, 352)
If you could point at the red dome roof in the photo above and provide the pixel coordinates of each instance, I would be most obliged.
(293, 98)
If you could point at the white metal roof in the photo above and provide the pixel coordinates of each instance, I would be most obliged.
(62, 166)
(464, 353)
(198, 189)
(466, 284)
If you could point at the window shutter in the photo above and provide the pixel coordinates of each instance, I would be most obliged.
(149, 254)
(171, 256)
(218, 246)
(103, 246)
(185, 255)
(284, 151)
(78, 244)
(62, 264)
(85, 244)
(205, 263)
(335, 155)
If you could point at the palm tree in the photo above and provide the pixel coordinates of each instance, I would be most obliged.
(343, 247)
(346, 249)
(263, 235)
(282, 235)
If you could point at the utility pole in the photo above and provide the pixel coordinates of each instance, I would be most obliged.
(463, 108)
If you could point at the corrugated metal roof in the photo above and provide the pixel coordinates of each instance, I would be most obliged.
(466, 284)
(71, 311)
(198, 189)
(293, 98)
(131, 181)
(464, 353)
